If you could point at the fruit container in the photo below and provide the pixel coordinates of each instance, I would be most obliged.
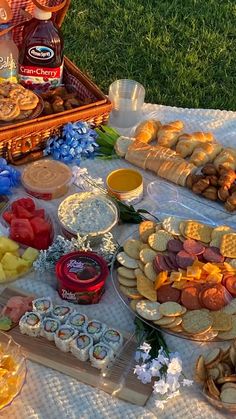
(40, 209)
(47, 179)
(81, 277)
(13, 370)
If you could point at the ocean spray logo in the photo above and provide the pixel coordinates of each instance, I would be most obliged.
(41, 53)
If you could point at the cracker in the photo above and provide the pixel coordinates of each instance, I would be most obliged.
(141, 265)
(147, 255)
(130, 292)
(146, 288)
(133, 304)
(181, 229)
(176, 322)
(171, 225)
(126, 261)
(221, 321)
(197, 231)
(231, 334)
(230, 308)
(145, 229)
(196, 322)
(200, 369)
(148, 310)
(216, 242)
(158, 241)
(138, 272)
(219, 231)
(170, 309)
(228, 245)
(126, 273)
(132, 248)
(127, 282)
(150, 272)
(213, 373)
(211, 356)
(228, 395)
(177, 329)
(164, 321)
(183, 310)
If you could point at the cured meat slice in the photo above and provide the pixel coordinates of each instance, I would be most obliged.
(169, 263)
(230, 284)
(190, 298)
(215, 297)
(168, 293)
(156, 267)
(193, 247)
(184, 259)
(161, 264)
(212, 254)
(172, 257)
(174, 245)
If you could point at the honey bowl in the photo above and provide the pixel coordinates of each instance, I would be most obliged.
(12, 370)
(126, 185)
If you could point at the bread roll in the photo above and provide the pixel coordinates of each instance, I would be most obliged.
(146, 131)
(168, 134)
(188, 142)
(206, 153)
(227, 158)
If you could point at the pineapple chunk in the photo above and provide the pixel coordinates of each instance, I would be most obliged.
(11, 262)
(194, 271)
(161, 278)
(176, 276)
(11, 274)
(2, 274)
(8, 245)
(30, 254)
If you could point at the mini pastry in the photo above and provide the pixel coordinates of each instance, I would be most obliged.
(206, 153)
(25, 98)
(227, 158)
(188, 142)
(146, 131)
(8, 109)
(168, 134)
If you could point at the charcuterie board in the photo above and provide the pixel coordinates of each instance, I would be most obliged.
(118, 380)
(180, 277)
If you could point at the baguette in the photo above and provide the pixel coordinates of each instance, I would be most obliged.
(168, 134)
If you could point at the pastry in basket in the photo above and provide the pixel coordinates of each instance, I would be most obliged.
(168, 134)
(227, 158)
(206, 153)
(7, 87)
(9, 109)
(188, 142)
(26, 99)
(147, 131)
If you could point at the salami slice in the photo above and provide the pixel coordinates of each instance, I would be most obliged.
(190, 298)
(169, 263)
(167, 293)
(174, 245)
(230, 284)
(215, 297)
(193, 247)
(184, 259)
(212, 254)
(156, 267)
(225, 277)
(161, 263)
(172, 257)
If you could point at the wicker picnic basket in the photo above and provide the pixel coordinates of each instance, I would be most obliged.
(25, 141)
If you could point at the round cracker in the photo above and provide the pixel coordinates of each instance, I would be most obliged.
(171, 225)
(131, 292)
(127, 282)
(228, 395)
(212, 356)
(145, 229)
(141, 265)
(126, 273)
(196, 322)
(231, 334)
(228, 385)
(126, 261)
(147, 255)
(150, 272)
(170, 309)
(176, 322)
(133, 304)
(164, 321)
(158, 241)
(200, 369)
(132, 248)
(148, 310)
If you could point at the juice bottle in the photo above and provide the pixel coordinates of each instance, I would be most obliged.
(8, 56)
(41, 55)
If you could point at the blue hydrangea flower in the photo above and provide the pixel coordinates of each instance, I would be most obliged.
(9, 177)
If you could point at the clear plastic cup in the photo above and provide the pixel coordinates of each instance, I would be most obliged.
(127, 98)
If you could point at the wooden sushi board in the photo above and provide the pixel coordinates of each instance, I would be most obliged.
(119, 380)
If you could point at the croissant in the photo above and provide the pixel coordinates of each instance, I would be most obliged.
(205, 153)
(188, 142)
(227, 158)
(168, 134)
(146, 131)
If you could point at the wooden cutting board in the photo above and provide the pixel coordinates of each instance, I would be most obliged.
(119, 380)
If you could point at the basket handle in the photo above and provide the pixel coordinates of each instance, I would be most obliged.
(60, 15)
(34, 155)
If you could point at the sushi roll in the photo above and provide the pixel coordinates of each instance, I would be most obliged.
(95, 329)
(100, 355)
(64, 336)
(43, 306)
(80, 346)
(61, 312)
(30, 323)
(49, 327)
(112, 338)
(78, 321)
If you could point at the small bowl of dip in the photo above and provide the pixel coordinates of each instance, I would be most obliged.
(87, 214)
(126, 185)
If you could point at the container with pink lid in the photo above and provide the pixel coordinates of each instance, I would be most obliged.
(81, 277)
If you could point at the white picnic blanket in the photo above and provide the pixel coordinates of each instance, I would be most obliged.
(50, 394)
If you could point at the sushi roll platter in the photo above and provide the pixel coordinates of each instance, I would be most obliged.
(72, 332)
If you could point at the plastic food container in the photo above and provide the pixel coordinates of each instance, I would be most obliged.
(12, 360)
(88, 223)
(46, 179)
(126, 185)
(81, 277)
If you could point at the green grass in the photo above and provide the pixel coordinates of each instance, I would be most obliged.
(182, 51)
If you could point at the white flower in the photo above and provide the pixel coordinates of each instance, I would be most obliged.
(175, 365)
(160, 404)
(161, 386)
(162, 357)
(172, 395)
(173, 381)
(155, 367)
(187, 383)
(143, 373)
(145, 347)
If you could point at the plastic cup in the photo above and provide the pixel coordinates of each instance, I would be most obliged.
(127, 98)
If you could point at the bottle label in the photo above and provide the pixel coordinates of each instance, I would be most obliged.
(41, 53)
(8, 69)
(40, 77)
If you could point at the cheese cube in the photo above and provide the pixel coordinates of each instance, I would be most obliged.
(211, 268)
(161, 278)
(194, 271)
(176, 276)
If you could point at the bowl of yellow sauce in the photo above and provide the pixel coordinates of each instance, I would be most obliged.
(126, 185)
